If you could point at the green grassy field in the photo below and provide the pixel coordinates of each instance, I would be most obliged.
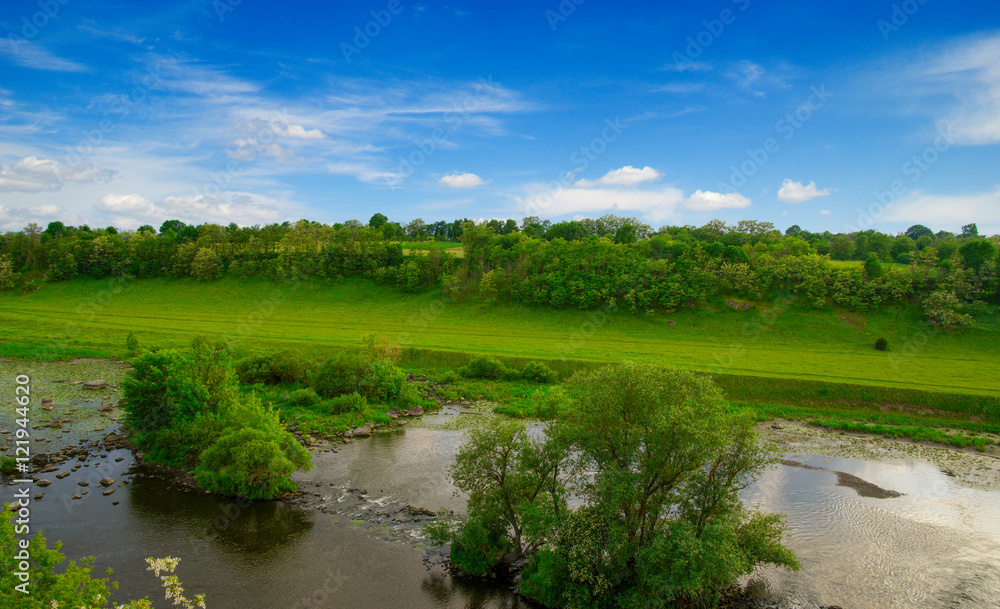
(87, 317)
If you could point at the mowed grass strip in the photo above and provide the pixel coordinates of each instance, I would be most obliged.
(774, 339)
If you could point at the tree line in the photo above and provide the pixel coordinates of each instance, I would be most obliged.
(590, 263)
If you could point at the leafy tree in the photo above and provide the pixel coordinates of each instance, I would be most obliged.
(55, 229)
(69, 586)
(873, 267)
(377, 221)
(881, 344)
(7, 276)
(416, 229)
(946, 249)
(206, 265)
(793, 230)
(625, 234)
(942, 308)
(917, 231)
(976, 252)
(248, 462)
(515, 495)
(969, 230)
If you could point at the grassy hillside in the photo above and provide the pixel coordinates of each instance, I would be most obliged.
(87, 317)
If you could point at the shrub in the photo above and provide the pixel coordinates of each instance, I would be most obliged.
(382, 381)
(484, 367)
(7, 465)
(353, 402)
(448, 377)
(206, 265)
(303, 397)
(132, 345)
(339, 375)
(881, 344)
(253, 370)
(246, 462)
(538, 373)
(271, 369)
(288, 367)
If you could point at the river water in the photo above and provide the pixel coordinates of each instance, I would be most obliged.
(936, 545)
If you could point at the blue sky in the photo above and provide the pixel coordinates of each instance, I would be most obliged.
(834, 115)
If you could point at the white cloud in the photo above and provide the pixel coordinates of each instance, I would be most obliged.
(626, 176)
(967, 71)
(31, 55)
(795, 192)
(15, 219)
(714, 201)
(32, 174)
(679, 87)
(656, 205)
(825, 212)
(240, 207)
(125, 204)
(298, 132)
(948, 211)
(462, 180)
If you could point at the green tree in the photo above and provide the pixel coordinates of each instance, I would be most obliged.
(970, 230)
(625, 234)
(873, 266)
(515, 493)
(377, 221)
(917, 231)
(977, 252)
(206, 265)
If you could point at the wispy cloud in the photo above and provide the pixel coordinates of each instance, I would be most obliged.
(32, 55)
(462, 180)
(32, 174)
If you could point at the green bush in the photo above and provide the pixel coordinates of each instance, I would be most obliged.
(449, 377)
(352, 402)
(132, 345)
(254, 370)
(538, 373)
(303, 397)
(881, 344)
(382, 381)
(249, 463)
(188, 411)
(483, 367)
(7, 465)
(272, 369)
(339, 375)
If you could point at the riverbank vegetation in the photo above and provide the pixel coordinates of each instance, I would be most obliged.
(657, 458)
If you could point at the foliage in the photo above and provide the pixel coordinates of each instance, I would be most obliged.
(515, 495)
(942, 308)
(881, 344)
(660, 460)
(248, 462)
(303, 397)
(538, 372)
(483, 367)
(272, 369)
(7, 465)
(339, 375)
(7, 276)
(186, 410)
(132, 345)
(206, 265)
(382, 381)
(71, 586)
(352, 402)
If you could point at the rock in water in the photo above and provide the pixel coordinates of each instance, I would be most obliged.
(96, 384)
(362, 432)
(416, 411)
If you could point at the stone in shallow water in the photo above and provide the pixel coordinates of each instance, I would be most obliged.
(95, 384)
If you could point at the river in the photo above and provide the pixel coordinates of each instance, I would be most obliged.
(935, 545)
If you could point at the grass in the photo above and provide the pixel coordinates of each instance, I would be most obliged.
(778, 341)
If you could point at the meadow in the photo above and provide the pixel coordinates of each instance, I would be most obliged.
(776, 339)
